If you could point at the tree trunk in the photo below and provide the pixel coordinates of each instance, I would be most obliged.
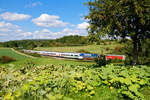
(135, 51)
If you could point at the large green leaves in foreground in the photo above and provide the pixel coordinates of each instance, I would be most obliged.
(73, 82)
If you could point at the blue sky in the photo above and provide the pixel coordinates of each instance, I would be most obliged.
(42, 19)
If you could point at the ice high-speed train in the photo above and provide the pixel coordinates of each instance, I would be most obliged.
(84, 56)
(65, 55)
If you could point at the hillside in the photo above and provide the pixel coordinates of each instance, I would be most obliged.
(64, 41)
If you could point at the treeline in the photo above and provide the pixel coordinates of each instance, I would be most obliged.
(64, 41)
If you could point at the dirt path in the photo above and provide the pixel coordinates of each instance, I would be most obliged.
(22, 53)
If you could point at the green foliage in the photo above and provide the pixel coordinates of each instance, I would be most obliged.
(64, 41)
(35, 55)
(101, 61)
(144, 55)
(120, 18)
(73, 82)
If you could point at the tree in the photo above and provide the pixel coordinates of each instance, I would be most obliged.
(121, 18)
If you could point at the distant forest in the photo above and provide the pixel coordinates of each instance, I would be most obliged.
(64, 41)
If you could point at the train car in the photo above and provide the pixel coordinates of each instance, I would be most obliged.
(72, 55)
(88, 56)
(62, 55)
(120, 57)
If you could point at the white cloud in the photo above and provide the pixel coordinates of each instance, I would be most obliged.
(19, 30)
(1, 9)
(83, 25)
(34, 4)
(9, 31)
(5, 30)
(2, 34)
(79, 29)
(8, 26)
(14, 16)
(68, 31)
(46, 34)
(46, 20)
(46, 31)
(26, 34)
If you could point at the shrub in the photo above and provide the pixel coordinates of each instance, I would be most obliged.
(107, 49)
(117, 49)
(101, 61)
(35, 55)
(6, 59)
(117, 61)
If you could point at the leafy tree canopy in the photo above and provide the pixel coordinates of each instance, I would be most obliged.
(121, 18)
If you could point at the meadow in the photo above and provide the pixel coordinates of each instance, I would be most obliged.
(10, 53)
(22, 59)
(106, 48)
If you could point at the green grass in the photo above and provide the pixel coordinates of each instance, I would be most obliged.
(48, 61)
(10, 53)
(23, 60)
(99, 49)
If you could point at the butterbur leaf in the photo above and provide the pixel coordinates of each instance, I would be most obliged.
(134, 87)
(25, 87)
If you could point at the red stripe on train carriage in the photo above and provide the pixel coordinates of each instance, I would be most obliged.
(114, 57)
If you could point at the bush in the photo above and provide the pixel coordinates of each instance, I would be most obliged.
(117, 61)
(35, 55)
(101, 61)
(117, 49)
(6, 59)
(107, 49)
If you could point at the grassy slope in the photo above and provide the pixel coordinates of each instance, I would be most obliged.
(10, 53)
(100, 49)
